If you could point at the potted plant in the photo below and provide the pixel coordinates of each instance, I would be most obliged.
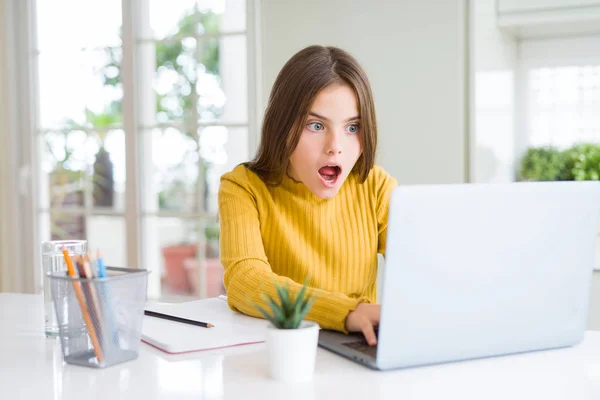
(542, 164)
(291, 341)
(176, 276)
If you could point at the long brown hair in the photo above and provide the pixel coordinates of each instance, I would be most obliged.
(307, 73)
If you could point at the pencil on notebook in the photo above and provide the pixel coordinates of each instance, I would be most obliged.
(82, 304)
(177, 319)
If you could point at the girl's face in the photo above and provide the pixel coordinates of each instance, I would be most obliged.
(330, 142)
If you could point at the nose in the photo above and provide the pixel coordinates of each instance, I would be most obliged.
(333, 144)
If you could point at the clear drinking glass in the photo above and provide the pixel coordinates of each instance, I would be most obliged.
(53, 260)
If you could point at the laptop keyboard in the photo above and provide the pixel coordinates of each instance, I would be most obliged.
(363, 347)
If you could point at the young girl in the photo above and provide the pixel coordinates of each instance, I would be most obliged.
(312, 203)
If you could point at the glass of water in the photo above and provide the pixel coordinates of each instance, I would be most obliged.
(53, 260)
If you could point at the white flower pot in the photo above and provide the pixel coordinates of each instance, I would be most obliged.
(292, 352)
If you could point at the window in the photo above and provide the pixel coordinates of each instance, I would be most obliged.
(561, 91)
(140, 112)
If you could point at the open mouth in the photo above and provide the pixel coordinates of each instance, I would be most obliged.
(329, 174)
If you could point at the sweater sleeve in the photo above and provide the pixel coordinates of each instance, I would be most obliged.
(385, 186)
(247, 270)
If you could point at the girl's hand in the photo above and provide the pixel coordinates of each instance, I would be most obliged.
(363, 319)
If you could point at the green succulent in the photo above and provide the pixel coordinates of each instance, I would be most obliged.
(287, 312)
(542, 164)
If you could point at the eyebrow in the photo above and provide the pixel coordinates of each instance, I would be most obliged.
(314, 114)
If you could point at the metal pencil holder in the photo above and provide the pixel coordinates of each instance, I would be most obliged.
(100, 319)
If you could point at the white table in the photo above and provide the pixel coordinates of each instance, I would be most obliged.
(31, 367)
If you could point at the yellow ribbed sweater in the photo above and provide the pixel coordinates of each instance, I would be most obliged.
(286, 234)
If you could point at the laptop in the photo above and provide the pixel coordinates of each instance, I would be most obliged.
(481, 270)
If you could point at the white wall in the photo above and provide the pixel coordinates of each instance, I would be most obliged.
(494, 65)
(414, 54)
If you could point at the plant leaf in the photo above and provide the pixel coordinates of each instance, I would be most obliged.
(310, 299)
(276, 308)
(298, 306)
(289, 323)
(296, 320)
(289, 311)
(283, 292)
(268, 316)
(306, 307)
(300, 297)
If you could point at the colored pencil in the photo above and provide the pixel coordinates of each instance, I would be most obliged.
(92, 295)
(102, 273)
(101, 267)
(82, 304)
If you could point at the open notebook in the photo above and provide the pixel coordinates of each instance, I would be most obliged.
(230, 328)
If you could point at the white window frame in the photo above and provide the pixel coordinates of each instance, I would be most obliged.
(19, 120)
(19, 268)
